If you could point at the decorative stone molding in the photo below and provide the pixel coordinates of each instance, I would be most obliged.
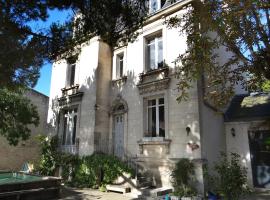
(154, 80)
(119, 82)
(70, 90)
(154, 86)
(70, 95)
(153, 141)
(119, 105)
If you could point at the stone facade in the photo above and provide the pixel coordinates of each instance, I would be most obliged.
(112, 97)
(12, 158)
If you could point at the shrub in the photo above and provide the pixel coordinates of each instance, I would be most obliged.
(98, 169)
(232, 177)
(87, 171)
(49, 156)
(183, 178)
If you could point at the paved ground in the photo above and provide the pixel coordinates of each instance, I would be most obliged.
(259, 196)
(90, 194)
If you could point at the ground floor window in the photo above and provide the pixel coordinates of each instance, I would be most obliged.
(259, 143)
(69, 126)
(155, 117)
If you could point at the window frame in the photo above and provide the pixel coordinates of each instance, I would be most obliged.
(64, 137)
(71, 74)
(119, 70)
(156, 37)
(156, 106)
(160, 4)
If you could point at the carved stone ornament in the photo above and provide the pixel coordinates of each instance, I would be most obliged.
(153, 86)
(154, 80)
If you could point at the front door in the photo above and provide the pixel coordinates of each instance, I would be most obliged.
(259, 143)
(119, 135)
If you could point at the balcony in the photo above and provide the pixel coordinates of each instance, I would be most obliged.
(119, 81)
(71, 149)
(70, 90)
(70, 95)
(154, 80)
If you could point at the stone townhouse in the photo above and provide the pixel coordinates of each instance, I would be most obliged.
(124, 102)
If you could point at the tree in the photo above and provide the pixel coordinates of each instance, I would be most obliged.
(16, 114)
(242, 29)
(116, 22)
(23, 51)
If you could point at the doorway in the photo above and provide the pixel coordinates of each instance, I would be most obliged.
(119, 135)
(259, 144)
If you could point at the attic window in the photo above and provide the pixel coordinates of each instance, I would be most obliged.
(155, 5)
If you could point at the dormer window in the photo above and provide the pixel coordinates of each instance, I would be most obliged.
(155, 5)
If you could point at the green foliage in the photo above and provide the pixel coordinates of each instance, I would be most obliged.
(266, 86)
(232, 177)
(183, 178)
(95, 171)
(49, 155)
(17, 113)
(237, 28)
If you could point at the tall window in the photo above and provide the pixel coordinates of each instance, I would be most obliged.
(70, 125)
(71, 74)
(155, 5)
(154, 57)
(119, 65)
(155, 118)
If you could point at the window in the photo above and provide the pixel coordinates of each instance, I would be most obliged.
(155, 118)
(155, 5)
(154, 57)
(119, 65)
(71, 74)
(69, 126)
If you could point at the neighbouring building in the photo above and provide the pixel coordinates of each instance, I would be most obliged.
(13, 157)
(127, 105)
(247, 129)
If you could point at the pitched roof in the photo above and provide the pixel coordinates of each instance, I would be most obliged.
(248, 108)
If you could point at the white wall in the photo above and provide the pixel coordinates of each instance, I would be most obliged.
(178, 115)
(239, 144)
(86, 67)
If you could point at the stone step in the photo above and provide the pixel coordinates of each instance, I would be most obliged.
(118, 188)
(156, 192)
(144, 184)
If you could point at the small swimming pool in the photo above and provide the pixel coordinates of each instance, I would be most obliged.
(15, 177)
(23, 186)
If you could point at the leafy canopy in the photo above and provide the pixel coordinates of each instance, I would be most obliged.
(229, 44)
(23, 51)
(15, 113)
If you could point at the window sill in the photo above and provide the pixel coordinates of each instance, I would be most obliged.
(154, 80)
(70, 90)
(119, 81)
(154, 141)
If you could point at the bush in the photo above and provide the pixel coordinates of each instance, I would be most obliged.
(232, 177)
(183, 177)
(97, 170)
(49, 156)
(88, 171)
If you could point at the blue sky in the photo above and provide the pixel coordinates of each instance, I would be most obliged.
(44, 82)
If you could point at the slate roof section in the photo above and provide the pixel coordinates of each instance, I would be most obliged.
(248, 108)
